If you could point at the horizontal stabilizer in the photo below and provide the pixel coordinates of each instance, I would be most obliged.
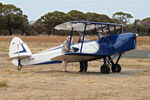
(18, 57)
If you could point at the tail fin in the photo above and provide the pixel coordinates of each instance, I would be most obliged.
(18, 49)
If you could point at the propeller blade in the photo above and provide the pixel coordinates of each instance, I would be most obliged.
(135, 26)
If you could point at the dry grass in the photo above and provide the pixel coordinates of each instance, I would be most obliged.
(3, 83)
(46, 42)
(49, 83)
(143, 43)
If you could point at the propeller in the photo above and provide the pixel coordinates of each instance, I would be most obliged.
(135, 31)
(135, 28)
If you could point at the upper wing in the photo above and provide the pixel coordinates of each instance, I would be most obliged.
(80, 25)
(75, 26)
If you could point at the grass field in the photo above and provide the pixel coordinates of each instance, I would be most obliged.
(47, 82)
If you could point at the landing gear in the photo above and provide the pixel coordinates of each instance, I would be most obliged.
(105, 69)
(115, 67)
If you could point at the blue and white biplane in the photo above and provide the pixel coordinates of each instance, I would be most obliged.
(111, 43)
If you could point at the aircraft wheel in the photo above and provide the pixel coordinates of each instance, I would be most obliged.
(105, 69)
(116, 68)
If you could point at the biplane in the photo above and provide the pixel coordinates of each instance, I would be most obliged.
(109, 46)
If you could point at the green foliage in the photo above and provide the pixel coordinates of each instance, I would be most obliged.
(97, 17)
(4, 32)
(32, 33)
(143, 27)
(146, 22)
(50, 20)
(121, 17)
(12, 18)
(47, 22)
(76, 15)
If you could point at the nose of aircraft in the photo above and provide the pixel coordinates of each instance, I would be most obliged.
(136, 35)
(125, 42)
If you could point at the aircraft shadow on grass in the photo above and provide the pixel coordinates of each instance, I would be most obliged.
(124, 73)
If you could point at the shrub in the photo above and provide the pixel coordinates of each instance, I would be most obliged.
(3, 83)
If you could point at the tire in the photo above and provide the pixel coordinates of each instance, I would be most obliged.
(105, 69)
(116, 68)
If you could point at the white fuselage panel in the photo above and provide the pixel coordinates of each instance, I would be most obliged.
(47, 55)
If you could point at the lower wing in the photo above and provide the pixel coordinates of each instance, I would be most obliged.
(76, 57)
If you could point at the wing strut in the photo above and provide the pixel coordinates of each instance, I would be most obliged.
(83, 37)
(70, 39)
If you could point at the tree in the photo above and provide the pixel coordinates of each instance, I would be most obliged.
(12, 20)
(12, 17)
(47, 22)
(76, 15)
(121, 17)
(97, 17)
(39, 27)
(1, 6)
(25, 27)
(146, 23)
(51, 19)
(1, 17)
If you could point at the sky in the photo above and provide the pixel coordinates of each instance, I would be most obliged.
(34, 9)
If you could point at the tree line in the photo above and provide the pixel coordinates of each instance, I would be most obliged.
(13, 21)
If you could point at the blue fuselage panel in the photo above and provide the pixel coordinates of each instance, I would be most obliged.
(116, 43)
